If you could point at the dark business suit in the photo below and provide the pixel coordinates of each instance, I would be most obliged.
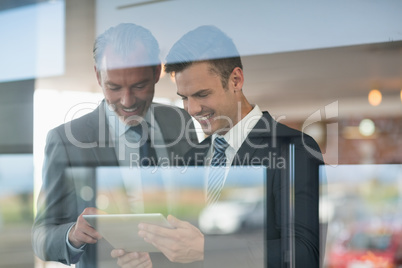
(85, 142)
(272, 136)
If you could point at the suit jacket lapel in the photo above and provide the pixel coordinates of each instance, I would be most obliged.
(247, 151)
(196, 156)
(104, 152)
(263, 139)
(256, 140)
(105, 155)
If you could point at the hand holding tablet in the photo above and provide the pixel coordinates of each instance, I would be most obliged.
(121, 230)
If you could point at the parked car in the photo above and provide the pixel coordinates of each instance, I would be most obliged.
(368, 248)
(226, 217)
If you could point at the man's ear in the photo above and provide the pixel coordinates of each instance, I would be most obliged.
(237, 79)
(158, 70)
(98, 76)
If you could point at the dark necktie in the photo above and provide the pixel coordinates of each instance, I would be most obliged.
(148, 155)
(217, 171)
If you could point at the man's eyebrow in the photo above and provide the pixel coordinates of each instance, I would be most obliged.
(109, 83)
(196, 93)
(180, 94)
(202, 91)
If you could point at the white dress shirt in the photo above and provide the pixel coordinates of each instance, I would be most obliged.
(235, 137)
(117, 130)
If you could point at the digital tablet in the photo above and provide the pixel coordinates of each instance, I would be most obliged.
(121, 230)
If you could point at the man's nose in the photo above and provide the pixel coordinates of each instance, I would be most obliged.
(128, 98)
(193, 107)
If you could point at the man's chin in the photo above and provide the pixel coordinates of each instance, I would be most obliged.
(207, 130)
(132, 122)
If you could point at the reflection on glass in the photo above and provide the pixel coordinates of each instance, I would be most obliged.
(363, 208)
(234, 214)
(16, 213)
(235, 223)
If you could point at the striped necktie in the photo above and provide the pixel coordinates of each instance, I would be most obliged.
(217, 171)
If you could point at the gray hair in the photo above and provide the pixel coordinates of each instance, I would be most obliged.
(124, 39)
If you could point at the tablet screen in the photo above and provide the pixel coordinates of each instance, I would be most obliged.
(121, 230)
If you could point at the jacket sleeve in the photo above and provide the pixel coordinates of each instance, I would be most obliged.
(306, 201)
(56, 204)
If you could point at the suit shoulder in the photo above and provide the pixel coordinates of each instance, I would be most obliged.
(169, 111)
(285, 130)
(275, 128)
(176, 120)
(297, 136)
(300, 139)
(77, 128)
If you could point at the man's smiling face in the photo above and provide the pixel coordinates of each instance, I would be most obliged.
(128, 90)
(204, 98)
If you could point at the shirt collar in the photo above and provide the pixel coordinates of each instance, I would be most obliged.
(239, 132)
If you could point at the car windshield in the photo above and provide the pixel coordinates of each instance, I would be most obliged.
(369, 241)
